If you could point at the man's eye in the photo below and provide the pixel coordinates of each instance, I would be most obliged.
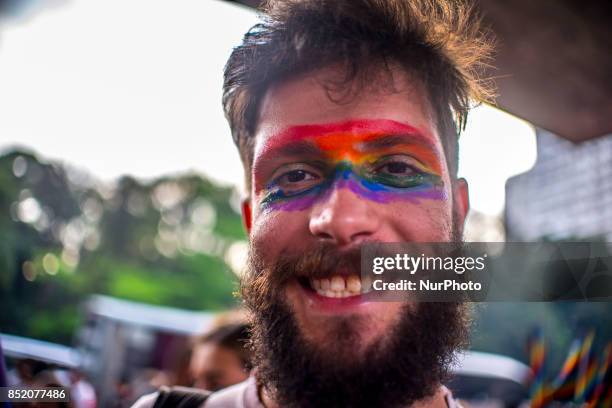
(296, 181)
(397, 173)
(296, 176)
(397, 168)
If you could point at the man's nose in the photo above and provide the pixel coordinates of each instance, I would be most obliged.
(344, 218)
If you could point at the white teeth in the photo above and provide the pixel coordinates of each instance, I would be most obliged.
(338, 286)
(353, 284)
(337, 283)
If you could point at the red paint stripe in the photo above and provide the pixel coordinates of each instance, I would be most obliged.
(365, 127)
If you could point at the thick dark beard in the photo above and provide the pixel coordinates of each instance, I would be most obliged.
(405, 366)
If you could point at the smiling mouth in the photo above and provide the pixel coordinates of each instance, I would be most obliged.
(337, 286)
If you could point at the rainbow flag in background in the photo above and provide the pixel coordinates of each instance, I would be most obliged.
(583, 378)
(564, 385)
(570, 364)
(602, 390)
(586, 369)
(578, 377)
(536, 349)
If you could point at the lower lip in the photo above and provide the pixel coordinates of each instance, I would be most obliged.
(335, 305)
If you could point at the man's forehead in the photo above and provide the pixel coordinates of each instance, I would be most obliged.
(310, 99)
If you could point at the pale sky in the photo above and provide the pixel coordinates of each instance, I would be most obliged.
(134, 87)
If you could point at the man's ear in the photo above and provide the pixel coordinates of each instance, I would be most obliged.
(462, 200)
(246, 214)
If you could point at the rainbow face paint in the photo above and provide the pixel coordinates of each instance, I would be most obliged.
(378, 160)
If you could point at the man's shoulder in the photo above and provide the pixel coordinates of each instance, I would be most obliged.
(146, 401)
(241, 395)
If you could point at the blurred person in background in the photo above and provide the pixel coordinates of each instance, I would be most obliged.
(221, 357)
(346, 114)
(82, 392)
(24, 372)
(49, 379)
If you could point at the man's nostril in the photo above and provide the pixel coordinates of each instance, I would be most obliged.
(324, 235)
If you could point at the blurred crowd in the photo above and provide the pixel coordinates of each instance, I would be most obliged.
(212, 360)
(36, 374)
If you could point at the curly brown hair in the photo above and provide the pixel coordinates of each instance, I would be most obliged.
(440, 42)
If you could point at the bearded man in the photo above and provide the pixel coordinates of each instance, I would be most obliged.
(346, 114)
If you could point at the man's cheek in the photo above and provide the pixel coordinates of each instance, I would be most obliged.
(265, 221)
(274, 231)
(429, 221)
(439, 223)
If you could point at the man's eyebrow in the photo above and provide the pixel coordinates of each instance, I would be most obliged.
(299, 147)
(387, 141)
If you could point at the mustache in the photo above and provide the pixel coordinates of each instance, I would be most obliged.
(320, 261)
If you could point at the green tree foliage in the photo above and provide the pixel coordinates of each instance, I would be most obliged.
(66, 236)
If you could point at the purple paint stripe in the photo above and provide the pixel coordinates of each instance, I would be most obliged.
(294, 204)
(414, 195)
